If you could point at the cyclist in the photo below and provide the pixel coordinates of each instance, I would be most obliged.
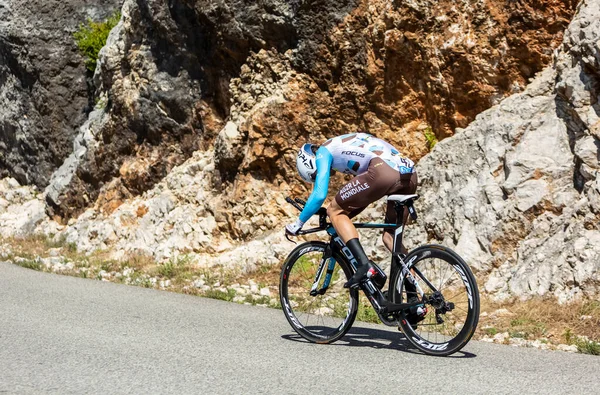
(379, 170)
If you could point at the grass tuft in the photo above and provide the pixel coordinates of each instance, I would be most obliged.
(366, 313)
(585, 346)
(430, 137)
(92, 36)
(30, 264)
(218, 294)
(490, 331)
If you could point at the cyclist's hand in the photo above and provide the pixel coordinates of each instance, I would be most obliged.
(293, 229)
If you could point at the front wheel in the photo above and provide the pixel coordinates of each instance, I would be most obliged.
(449, 314)
(312, 293)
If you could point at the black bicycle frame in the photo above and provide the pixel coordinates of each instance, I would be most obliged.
(382, 306)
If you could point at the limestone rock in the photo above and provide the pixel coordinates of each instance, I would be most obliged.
(282, 72)
(520, 183)
(21, 211)
(46, 92)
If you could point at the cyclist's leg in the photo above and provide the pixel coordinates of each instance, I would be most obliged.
(353, 197)
(340, 220)
(407, 185)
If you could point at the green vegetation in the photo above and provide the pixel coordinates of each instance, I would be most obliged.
(306, 263)
(47, 242)
(217, 294)
(586, 346)
(366, 313)
(101, 102)
(527, 328)
(168, 269)
(262, 300)
(490, 331)
(91, 37)
(29, 264)
(590, 308)
(430, 137)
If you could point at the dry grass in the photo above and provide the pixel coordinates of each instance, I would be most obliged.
(38, 245)
(264, 274)
(541, 318)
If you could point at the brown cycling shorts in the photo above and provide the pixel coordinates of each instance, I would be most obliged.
(378, 181)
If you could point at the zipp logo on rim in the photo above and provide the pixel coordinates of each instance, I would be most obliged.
(308, 249)
(409, 263)
(429, 346)
(467, 285)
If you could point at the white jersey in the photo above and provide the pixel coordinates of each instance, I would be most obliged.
(352, 153)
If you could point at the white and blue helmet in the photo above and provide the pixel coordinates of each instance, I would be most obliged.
(306, 162)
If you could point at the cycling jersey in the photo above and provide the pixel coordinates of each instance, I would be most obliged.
(352, 154)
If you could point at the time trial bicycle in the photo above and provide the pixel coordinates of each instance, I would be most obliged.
(432, 296)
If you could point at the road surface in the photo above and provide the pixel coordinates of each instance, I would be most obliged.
(67, 335)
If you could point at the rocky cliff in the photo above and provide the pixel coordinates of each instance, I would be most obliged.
(203, 104)
(45, 92)
(174, 73)
(517, 192)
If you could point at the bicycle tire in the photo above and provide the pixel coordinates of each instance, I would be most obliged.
(322, 318)
(450, 275)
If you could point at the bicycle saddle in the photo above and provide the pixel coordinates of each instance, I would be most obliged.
(402, 198)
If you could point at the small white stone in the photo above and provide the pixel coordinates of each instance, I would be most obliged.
(198, 283)
(517, 342)
(567, 347)
(265, 292)
(500, 337)
(54, 251)
(502, 313)
(12, 183)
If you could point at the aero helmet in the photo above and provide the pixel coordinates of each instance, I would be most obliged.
(306, 162)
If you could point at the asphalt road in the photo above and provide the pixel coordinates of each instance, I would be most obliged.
(64, 335)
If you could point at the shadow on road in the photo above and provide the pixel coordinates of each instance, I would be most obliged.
(376, 338)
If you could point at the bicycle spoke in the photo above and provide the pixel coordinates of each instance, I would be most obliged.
(461, 309)
(442, 283)
(458, 294)
(319, 317)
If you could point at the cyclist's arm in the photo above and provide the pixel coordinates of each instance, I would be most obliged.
(319, 193)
